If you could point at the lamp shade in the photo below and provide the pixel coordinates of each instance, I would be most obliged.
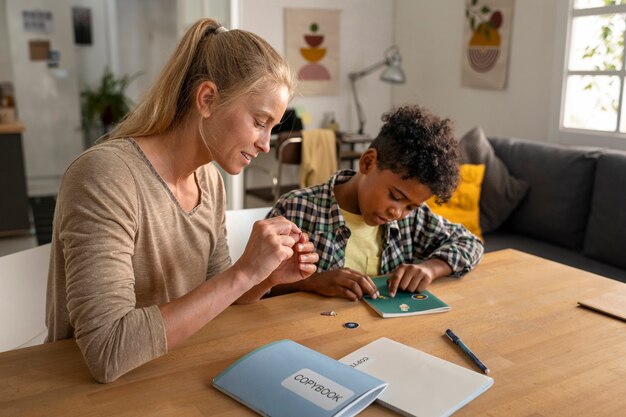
(393, 75)
(393, 72)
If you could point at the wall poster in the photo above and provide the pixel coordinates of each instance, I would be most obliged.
(312, 49)
(81, 18)
(486, 43)
(37, 21)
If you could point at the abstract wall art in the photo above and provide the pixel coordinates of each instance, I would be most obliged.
(312, 49)
(486, 43)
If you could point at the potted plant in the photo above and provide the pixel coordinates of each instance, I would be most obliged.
(104, 106)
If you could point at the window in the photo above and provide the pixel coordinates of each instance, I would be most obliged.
(595, 71)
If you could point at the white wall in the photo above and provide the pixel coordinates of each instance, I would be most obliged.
(6, 71)
(366, 32)
(430, 35)
(188, 11)
(92, 59)
(47, 101)
(147, 37)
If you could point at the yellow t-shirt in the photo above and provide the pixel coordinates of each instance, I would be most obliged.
(364, 246)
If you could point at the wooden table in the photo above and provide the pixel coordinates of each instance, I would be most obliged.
(15, 127)
(518, 312)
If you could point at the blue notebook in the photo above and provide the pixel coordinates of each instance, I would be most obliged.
(287, 379)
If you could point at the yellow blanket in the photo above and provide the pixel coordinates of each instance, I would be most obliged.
(319, 156)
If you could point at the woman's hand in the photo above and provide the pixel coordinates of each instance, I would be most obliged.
(300, 266)
(271, 243)
(342, 282)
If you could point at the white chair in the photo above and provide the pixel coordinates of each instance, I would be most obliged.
(23, 282)
(24, 278)
(238, 227)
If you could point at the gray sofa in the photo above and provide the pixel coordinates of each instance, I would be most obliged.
(570, 204)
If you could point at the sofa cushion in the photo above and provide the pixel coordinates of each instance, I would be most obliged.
(463, 204)
(557, 205)
(500, 191)
(607, 222)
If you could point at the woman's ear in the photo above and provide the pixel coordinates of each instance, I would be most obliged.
(368, 160)
(206, 98)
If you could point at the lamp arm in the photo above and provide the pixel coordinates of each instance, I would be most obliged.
(359, 110)
(392, 58)
(355, 76)
(360, 74)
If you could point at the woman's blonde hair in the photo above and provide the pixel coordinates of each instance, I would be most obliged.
(237, 61)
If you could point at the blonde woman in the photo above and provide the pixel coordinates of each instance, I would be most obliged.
(139, 254)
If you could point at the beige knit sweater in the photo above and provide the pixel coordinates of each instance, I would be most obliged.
(121, 246)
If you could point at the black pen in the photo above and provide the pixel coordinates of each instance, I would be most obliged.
(467, 350)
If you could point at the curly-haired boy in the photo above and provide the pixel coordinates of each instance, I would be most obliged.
(374, 221)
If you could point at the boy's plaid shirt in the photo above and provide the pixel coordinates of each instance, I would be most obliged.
(420, 236)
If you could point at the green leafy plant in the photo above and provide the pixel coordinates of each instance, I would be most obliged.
(105, 105)
(607, 52)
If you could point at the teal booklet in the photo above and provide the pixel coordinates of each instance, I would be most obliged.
(287, 379)
(404, 303)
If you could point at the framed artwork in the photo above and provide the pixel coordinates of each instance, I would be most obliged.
(81, 18)
(486, 43)
(312, 49)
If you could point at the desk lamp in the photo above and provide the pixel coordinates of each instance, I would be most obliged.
(392, 74)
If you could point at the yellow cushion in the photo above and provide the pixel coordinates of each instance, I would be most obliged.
(463, 206)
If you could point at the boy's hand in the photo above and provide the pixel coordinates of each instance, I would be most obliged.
(415, 278)
(342, 282)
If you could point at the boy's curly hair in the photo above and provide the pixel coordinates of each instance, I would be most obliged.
(418, 145)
